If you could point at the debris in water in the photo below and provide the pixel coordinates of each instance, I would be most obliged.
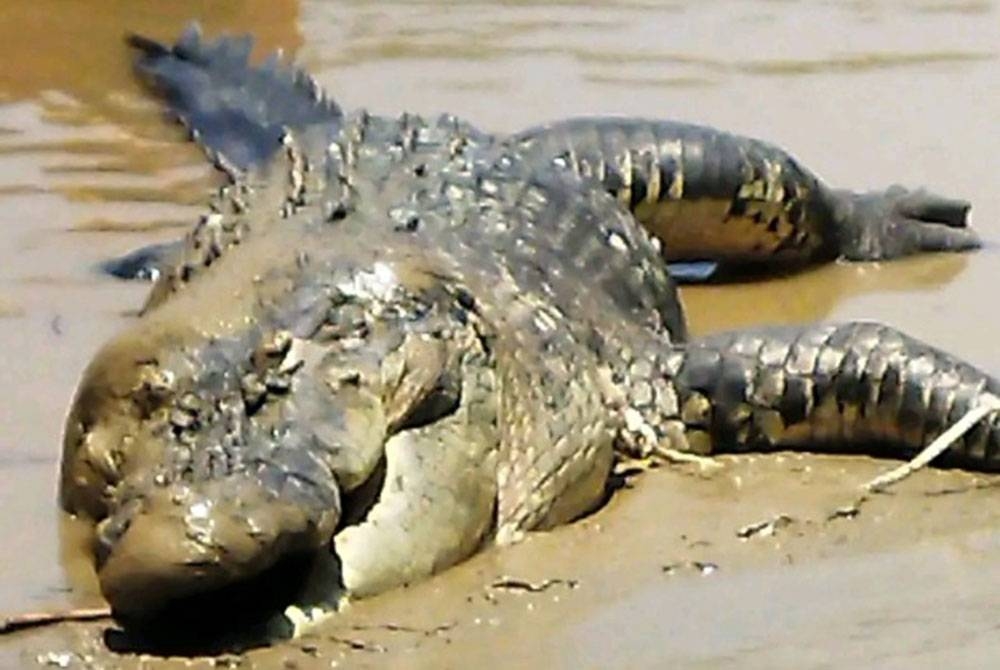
(56, 659)
(846, 512)
(701, 567)
(764, 528)
(513, 584)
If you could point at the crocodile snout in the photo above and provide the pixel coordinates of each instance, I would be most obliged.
(190, 457)
(182, 548)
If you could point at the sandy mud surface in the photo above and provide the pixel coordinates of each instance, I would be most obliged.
(864, 93)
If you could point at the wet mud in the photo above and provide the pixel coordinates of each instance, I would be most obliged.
(748, 566)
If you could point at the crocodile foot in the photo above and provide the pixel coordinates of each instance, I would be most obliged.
(899, 222)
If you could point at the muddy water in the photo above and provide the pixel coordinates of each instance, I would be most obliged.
(865, 93)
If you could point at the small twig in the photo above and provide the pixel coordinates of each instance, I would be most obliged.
(986, 406)
(357, 644)
(764, 528)
(847, 511)
(401, 628)
(702, 567)
(704, 463)
(28, 620)
(513, 584)
(976, 485)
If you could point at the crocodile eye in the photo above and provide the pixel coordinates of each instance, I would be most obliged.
(153, 389)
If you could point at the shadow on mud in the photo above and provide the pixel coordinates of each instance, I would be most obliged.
(232, 619)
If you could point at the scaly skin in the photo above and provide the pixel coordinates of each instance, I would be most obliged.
(828, 387)
(710, 195)
(707, 195)
(397, 342)
(337, 328)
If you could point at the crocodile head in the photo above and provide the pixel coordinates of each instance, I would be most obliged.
(211, 441)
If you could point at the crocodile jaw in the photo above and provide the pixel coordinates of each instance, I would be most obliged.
(182, 543)
(175, 530)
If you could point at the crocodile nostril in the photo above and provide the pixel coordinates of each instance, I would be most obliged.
(111, 529)
(154, 387)
(167, 544)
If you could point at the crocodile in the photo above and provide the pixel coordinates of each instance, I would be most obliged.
(743, 205)
(393, 342)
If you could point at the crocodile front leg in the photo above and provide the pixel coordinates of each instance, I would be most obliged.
(437, 501)
(434, 510)
(710, 195)
(851, 386)
(557, 433)
(529, 448)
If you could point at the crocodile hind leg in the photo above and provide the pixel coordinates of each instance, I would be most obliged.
(709, 195)
(850, 387)
(898, 222)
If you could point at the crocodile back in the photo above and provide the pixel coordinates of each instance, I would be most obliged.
(515, 231)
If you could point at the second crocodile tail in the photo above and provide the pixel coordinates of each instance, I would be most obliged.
(851, 387)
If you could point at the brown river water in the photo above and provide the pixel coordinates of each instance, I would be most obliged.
(864, 92)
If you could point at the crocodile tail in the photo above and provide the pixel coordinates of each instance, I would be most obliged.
(852, 387)
(236, 111)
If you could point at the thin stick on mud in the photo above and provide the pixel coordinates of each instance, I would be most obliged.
(986, 406)
(17, 622)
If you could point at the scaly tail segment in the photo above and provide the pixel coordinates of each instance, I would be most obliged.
(847, 386)
(236, 111)
(706, 194)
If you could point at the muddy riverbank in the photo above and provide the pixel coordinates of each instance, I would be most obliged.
(865, 93)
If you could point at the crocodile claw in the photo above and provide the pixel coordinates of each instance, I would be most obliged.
(142, 264)
(899, 222)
